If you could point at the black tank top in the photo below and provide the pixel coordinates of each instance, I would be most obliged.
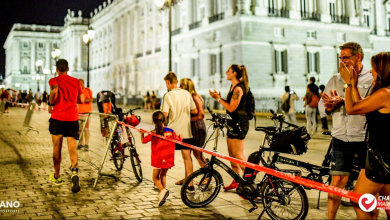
(379, 131)
(239, 113)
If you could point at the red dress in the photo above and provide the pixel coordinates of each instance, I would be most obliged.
(163, 151)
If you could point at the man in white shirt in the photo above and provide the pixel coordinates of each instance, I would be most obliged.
(177, 106)
(290, 115)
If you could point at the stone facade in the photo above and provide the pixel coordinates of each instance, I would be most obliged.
(281, 42)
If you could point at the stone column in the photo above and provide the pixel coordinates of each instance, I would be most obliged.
(16, 57)
(190, 17)
(145, 30)
(321, 9)
(350, 12)
(33, 58)
(209, 11)
(135, 31)
(379, 14)
(245, 6)
(260, 7)
(294, 9)
(47, 56)
(231, 8)
(129, 36)
(154, 35)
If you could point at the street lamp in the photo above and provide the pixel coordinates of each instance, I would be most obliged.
(46, 71)
(162, 5)
(55, 54)
(87, 38)
(39, 64)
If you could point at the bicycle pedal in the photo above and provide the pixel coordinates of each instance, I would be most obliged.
(253, 209)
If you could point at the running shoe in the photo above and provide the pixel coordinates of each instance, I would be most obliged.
(80, 147)
(75, 181)
(57, 181)
(163, 196)
(86, 147)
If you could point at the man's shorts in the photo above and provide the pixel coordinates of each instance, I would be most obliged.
(65, 128)
(82, 120)
(342, 155)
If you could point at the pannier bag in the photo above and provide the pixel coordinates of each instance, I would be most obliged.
(292, 141)
(249, 173)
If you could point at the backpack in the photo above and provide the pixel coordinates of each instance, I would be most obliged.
(314, 101)
(286, 104)
(250, 105)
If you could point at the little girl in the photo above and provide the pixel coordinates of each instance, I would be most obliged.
(163, 153)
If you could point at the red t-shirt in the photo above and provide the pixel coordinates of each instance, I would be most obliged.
(65, 106)
(86, 107)
(163, 151)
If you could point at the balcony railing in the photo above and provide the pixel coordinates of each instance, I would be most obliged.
(340, 19)
(373, 32)
(138, 55)
(148, 52)
(195, 25)
(310, 16)
(176, 32)
(387, 32)
(25, 72)
(157, 50)
(273, 12)
(216, 17)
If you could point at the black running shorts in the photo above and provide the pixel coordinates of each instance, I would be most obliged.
(65, 128)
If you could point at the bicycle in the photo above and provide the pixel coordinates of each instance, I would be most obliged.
(315, 173)
(281, 199)
(119, 144)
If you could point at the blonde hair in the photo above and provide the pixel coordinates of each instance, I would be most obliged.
(188, 84)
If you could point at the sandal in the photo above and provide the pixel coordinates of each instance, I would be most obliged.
(180, 182)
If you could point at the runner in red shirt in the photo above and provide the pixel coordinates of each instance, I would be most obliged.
(163, 153)
(84, 109)
(64, 95)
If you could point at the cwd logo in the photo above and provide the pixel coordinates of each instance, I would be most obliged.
(367, 202)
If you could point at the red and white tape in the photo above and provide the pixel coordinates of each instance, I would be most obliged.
(309, 183)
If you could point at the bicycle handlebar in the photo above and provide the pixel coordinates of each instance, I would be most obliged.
(131, 111)
(220, 120)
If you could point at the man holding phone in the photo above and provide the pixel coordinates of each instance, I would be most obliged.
(290, 114)
(348, 131)
(64, 95)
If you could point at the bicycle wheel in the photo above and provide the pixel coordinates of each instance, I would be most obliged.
(118, 158)
(136, 164)
(283, 199)
(200, 194)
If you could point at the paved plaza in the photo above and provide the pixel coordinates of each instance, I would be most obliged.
(26, 162)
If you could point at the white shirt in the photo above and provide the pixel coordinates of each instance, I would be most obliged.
(178, 103)
(293, 97)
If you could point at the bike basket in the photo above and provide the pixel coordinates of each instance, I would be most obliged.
(292, 141)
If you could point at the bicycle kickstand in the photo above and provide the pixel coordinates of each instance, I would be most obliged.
(318, 202)
(261, 214)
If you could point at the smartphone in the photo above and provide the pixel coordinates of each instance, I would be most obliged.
(292, 92)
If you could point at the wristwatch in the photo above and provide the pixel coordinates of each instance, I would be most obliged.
(218, 99)
(347, 85)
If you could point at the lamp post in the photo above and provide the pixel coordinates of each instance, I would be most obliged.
(55, 54)
(87, 38)
(162, 5)
(39, 64)
(46, 72)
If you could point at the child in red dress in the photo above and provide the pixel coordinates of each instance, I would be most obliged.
(163, 153)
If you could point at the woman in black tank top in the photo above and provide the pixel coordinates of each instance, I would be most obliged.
(373, 178)
(235, 107)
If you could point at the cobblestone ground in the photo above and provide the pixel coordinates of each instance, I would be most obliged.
(26, 162)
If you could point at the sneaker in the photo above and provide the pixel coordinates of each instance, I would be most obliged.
(57, 181)
(80, 147)
(163, 196)
(75, 181)
(86, 147)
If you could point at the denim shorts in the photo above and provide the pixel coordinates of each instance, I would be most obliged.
(342, 155)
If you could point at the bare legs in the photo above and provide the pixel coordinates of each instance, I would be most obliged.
(236, 150)
(189, 168)
(333, 200)
(57, 146)
(159, 178)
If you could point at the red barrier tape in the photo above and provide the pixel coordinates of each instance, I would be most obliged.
(309, 183)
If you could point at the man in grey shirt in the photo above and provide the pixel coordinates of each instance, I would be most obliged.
(348, 131)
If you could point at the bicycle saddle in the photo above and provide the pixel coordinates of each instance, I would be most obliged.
(269, 130)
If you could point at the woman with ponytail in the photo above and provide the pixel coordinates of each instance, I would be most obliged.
(163, 153)
(235, 107)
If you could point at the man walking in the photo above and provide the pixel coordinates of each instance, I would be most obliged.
(84, 110)
(177, 106)
(290, 114)
(348, 131)
(64, 95)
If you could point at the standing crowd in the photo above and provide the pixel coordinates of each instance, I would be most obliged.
(354, 97)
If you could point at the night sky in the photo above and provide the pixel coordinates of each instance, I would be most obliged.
(42, 12)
